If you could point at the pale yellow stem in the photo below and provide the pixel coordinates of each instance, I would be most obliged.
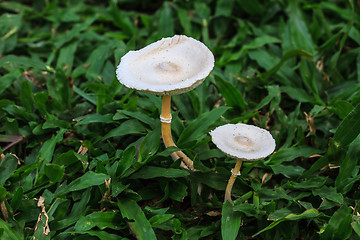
(166, 132)
(232, 179)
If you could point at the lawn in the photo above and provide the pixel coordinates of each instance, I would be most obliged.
(82, 155)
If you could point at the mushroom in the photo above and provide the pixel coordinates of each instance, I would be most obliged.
(167, 67)
(243, 142)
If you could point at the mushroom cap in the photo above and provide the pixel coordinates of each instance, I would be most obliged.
(169, 66)
(242, 141)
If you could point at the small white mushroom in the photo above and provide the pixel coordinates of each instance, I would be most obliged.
(167, 67)
(244, 143)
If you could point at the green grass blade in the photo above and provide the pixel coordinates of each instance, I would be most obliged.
(339, 225)
(230, 222)
(349, 128)
(199, 127)
(7, 232)
(139, 225)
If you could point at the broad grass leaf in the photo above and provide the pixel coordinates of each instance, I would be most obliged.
(167, 151)
(142, 117)
(67, 56)
(94, 118)
(8, 79)
(88, 97)
(232, 96)
(97, 60)
(329, 193)
(287, 56)
(338, 10)
(230, 222)
(150, 144)
(310, 183)
(159, 219)
(17, 198)
(358, 67)
(349, 128)
(182, 103)
(177, 191)
(310, 78)
(341, 108)
(3, 193)
(66, 159)
(140, 226)
(10, 26)
(346, 185)
(126, 160)
(27, 96)
(310, 213)
(254, 8)
(74, 32)
(41, 102)
(8, 233)
(269, 194)
(102, 235)
(128, 127)
(289, 154)
(263, 58)
(274, 92)
(344, 91)
(47, 150)
(200, 126)
(213, 180)
(148, 172)
(339, 227)
(323, 161)
(87, 180)
(257, 43)
(121, 20)
(166, 22)
(224, 8)
(7, 167)
(195, 102)
(78, 209)
(63, 87)
(12, 62)
(102, 220)
(54, 172)
(117, 188)
(104, 93)
(300, 36)
(248, 209)
(288, 171)
(298, 94)
(356, 226)
(185, 20)
(55, 123)
(40, 230)
(348, 167)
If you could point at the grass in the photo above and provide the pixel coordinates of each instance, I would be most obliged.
(81, 156)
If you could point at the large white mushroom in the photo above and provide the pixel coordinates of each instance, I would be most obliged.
(167, 67)
(244, 143)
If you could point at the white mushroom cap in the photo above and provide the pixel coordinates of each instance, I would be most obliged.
(169, 66)
(242, 141)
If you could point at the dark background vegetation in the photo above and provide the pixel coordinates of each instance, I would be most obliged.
(82, 156)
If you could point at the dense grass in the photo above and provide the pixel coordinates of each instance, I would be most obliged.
(82, 156)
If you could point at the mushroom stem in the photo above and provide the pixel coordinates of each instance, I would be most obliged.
(166, 132)
(232, 179)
